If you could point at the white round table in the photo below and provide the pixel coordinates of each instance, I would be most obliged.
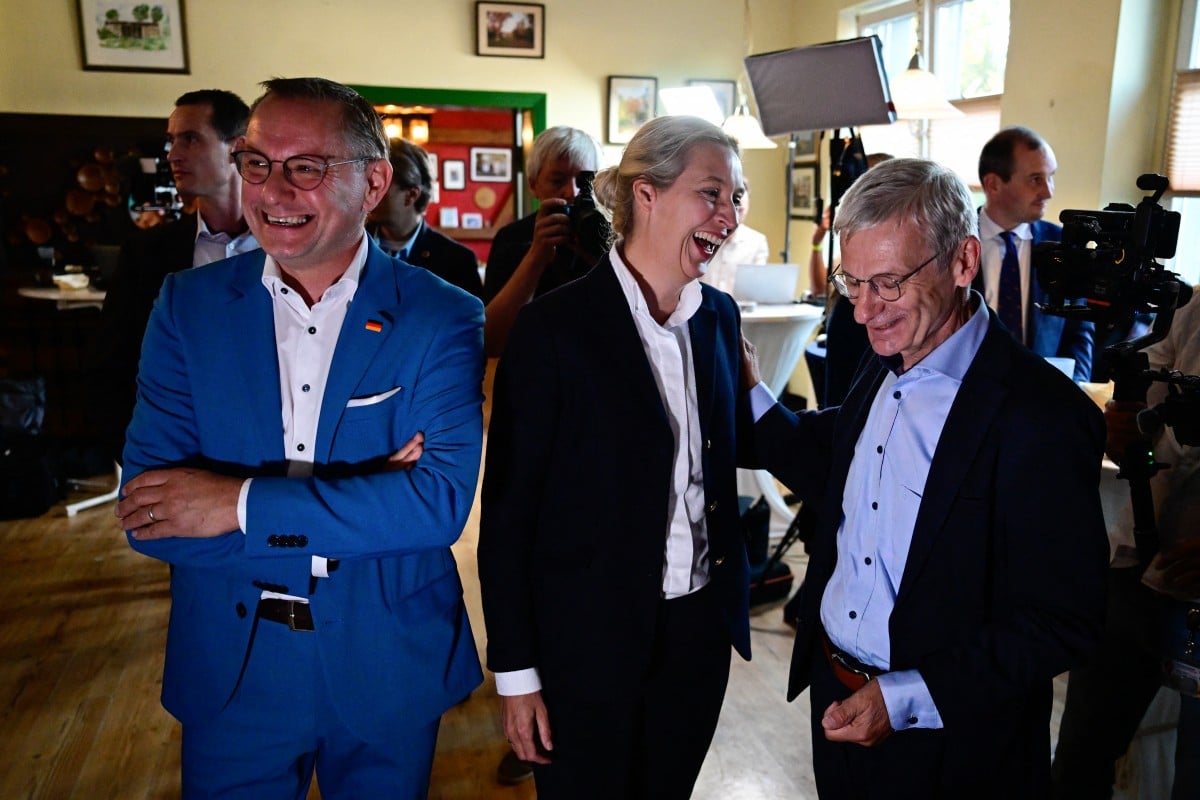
(779, 333)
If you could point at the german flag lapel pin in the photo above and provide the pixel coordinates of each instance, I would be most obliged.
(374, 326)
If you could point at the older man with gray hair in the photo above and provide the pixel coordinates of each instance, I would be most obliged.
(958, 563)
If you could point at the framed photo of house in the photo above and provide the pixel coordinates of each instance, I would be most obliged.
(806, 146)
(454, 175)
(129, 36)
(491, 164)
(724, 91)
(512, 30)
(631, 104)
(803, 202)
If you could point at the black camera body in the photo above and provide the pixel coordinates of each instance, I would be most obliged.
(1109, 257)
(589, 227)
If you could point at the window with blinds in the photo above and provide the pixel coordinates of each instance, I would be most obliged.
(1183, 140)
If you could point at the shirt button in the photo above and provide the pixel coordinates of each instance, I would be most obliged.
(283, 290)
(305, 388)
(896, 394)
(853, 615)
(879, 449)
(312, 330)
(300, 447)
(874, 506)
(867, 561)
(912, 720)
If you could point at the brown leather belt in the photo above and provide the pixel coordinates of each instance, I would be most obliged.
(293, 613)
(850, 672)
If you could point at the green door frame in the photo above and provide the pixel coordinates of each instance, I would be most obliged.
(534, 102)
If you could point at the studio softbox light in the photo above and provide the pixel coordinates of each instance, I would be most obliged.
(820, 87)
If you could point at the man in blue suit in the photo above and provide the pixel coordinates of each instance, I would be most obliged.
(317, 617)
(1016, 170)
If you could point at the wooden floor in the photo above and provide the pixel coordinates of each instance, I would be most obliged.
(82, 631)
(81, 647)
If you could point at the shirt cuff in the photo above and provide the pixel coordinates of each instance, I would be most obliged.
(521, 681)
(761, 400)
(243, 496)
(909, 704)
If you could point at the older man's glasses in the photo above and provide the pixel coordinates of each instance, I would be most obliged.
(886, 287)
(303, 172)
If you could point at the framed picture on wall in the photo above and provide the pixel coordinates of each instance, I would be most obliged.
(491, 164)
(513, 30)
(127, 36)
(806, 146)
(631, 104)
(724, 91)
(803, 203)
(472, 220)
(454, 175)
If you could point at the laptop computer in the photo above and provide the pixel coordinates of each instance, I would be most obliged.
(766, 283)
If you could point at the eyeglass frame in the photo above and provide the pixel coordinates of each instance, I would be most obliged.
(841, 282)
(287, 172)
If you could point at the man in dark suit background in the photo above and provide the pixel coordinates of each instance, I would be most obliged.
(201, 133)
(959, 558)
(1016, 170)
(398, 223)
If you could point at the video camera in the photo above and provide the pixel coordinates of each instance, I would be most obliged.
(1109, 260)
(589, 227)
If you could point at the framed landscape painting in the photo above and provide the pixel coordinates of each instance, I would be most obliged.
(127, 36)
(631, 104)
(513, 30)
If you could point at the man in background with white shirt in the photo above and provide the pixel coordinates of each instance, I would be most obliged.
(1016, 170)
(201, 133)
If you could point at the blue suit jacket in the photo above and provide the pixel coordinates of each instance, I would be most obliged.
(392, 630)
(1047, 334)
(576, 488)
(1003, 587)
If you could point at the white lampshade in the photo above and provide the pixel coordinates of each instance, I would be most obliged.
(745, 128)
(916, 94)
(695, 101)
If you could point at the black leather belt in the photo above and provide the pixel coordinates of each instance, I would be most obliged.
(293, 613)
(850, 672)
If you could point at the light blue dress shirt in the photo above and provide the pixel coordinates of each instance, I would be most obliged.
(880, 502)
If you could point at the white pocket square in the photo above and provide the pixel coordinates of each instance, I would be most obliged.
(370, 400)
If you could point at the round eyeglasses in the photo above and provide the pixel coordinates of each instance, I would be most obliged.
(885, 287)
(303, 172)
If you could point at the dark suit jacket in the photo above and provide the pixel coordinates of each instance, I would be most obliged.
(1047, 334)
(391, 630)
(145, 261)
(1004, 584)
(451, 261)
(576, 486)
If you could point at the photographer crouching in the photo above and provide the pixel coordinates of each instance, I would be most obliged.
(1152, 630)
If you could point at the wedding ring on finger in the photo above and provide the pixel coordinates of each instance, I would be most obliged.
(150, 513)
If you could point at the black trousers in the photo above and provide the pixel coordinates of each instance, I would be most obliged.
(1108, 696)
(647, 743)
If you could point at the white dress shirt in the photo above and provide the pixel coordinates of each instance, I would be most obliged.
(992, 256)
(305, 339)
(212, 247)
